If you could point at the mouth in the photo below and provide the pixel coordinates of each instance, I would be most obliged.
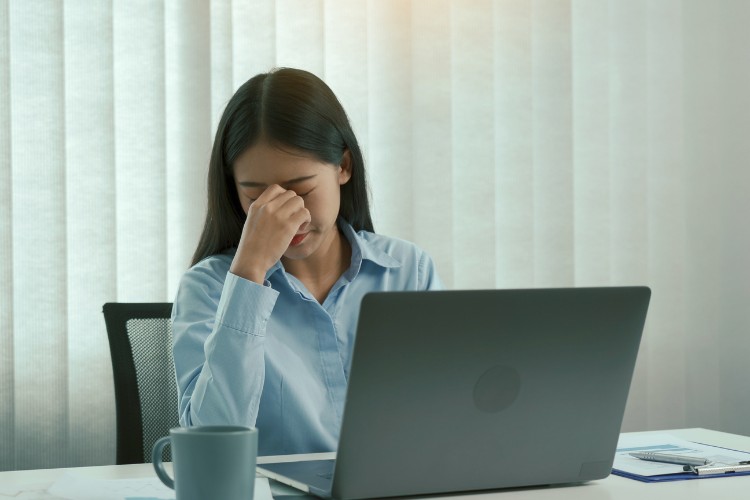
(297, 240)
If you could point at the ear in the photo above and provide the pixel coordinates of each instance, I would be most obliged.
(345, 168)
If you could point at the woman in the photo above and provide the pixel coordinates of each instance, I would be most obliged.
(264, 320)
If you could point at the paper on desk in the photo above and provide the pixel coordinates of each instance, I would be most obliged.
(77, 486)
(33, 491)
(667, 443)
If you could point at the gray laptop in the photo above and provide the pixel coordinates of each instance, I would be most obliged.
(481, 389)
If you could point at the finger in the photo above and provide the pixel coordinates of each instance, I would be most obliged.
(271, 193)
(273, 202)
(284, 205)
(300, 219)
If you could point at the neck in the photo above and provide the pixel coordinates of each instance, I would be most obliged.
(321, 270)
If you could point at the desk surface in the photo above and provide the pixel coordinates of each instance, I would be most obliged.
(611, 488)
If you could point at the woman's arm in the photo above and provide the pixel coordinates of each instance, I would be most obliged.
(219, 328)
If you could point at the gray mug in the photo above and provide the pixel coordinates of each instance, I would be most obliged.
(209, 462)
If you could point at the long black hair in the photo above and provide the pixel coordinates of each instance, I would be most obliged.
(287, 107)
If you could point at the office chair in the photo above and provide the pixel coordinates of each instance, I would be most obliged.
(140, 341)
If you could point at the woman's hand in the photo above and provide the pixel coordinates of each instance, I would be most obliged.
(272, 221)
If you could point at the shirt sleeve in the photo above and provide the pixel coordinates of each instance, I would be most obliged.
(219, 327)
(427, 277)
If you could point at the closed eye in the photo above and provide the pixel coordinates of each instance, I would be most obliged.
(252, 200)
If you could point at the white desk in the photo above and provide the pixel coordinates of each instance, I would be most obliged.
(611, 488)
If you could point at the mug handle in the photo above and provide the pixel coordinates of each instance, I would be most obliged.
(158, 464)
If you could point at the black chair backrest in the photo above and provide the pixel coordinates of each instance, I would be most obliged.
(140, 341)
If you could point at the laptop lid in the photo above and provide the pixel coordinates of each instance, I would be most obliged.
(485, 389)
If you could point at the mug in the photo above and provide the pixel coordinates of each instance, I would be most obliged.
(209, 462)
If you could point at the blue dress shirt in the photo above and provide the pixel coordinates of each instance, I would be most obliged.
(271, 356)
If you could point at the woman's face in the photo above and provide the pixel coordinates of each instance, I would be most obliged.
(317, 183)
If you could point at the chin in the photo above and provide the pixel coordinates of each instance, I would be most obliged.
(298, 253)
(295, 255)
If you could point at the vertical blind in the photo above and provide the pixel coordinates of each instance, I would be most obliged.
(523, 143)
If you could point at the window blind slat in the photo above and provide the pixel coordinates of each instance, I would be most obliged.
(140, 152)
(38, 197)
(91, 234)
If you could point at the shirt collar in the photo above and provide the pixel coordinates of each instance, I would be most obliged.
(363, 250)
(273, 269)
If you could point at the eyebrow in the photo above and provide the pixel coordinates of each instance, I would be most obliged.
(296, 180)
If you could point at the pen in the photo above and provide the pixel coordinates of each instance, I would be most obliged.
(720, 469)
(669, 459)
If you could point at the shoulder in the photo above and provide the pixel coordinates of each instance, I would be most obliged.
(200, 289)
(209, 271)
(400, 256)
(397, 248)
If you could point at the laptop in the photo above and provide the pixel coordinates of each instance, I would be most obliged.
(457, 391)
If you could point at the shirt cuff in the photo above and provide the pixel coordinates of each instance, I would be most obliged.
(245, 305)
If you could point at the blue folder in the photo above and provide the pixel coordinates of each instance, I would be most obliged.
(674, 477)
(680, 476)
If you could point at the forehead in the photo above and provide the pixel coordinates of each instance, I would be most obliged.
(266, 164)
